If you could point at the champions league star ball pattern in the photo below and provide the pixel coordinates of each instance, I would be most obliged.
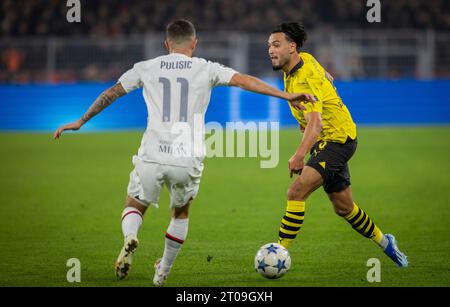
(272, 260)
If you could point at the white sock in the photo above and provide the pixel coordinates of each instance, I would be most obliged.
(131, 221)
(384, 242)
(175, 236)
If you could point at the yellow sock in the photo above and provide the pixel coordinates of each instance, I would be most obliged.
(291, 222)
(363, 224)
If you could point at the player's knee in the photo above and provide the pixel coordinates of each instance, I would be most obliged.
(132, 202)
(291, 194)
(182, 212)
(295, 192)
(342, 205)
(301, 189)
(342, 209)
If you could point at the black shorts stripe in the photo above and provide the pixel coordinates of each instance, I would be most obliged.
(292, 220)
(287, 227)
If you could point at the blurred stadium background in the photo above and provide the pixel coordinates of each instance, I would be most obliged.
(41, 50)
(393, 73)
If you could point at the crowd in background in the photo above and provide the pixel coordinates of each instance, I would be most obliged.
(125, 18)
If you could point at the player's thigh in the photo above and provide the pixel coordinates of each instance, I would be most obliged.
(146, 182)
(308, 181)
(183, 184)
(330, 160)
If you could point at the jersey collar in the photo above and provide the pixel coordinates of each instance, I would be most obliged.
(296, 67)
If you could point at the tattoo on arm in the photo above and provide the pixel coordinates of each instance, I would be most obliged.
(105, 99)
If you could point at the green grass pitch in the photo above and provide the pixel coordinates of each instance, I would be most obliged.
(63, 199)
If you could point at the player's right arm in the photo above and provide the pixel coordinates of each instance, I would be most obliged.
(310, 135)
(105, 99)
(128, 82)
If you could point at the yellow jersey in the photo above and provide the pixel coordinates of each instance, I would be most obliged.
(308, 76)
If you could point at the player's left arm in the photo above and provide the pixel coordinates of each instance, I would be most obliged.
(256, 85)
(104, 100)
(312, 131)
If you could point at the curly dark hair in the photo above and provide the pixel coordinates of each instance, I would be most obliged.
(294, 31)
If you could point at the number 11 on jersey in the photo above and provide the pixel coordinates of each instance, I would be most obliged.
(184, 87)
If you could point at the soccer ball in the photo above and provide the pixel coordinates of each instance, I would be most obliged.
(272, 260)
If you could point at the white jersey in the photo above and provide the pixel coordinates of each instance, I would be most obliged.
(177, 90)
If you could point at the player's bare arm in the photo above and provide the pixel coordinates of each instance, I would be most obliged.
(312, 131)
(256, 85)
(105, 99)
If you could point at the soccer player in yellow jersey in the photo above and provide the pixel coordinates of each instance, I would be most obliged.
(330, 138)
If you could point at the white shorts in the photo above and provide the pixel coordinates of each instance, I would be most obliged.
(148, 178)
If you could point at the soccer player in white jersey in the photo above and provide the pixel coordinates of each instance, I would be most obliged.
(176, 89)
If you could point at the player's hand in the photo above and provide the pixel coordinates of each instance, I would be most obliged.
(296, 164)
(72, 126)
(295, 100)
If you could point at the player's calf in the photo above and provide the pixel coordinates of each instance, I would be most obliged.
(364, 225)
(175, 237)
(131, 222)
(291, 222)
(299, 190)
(304, 185)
